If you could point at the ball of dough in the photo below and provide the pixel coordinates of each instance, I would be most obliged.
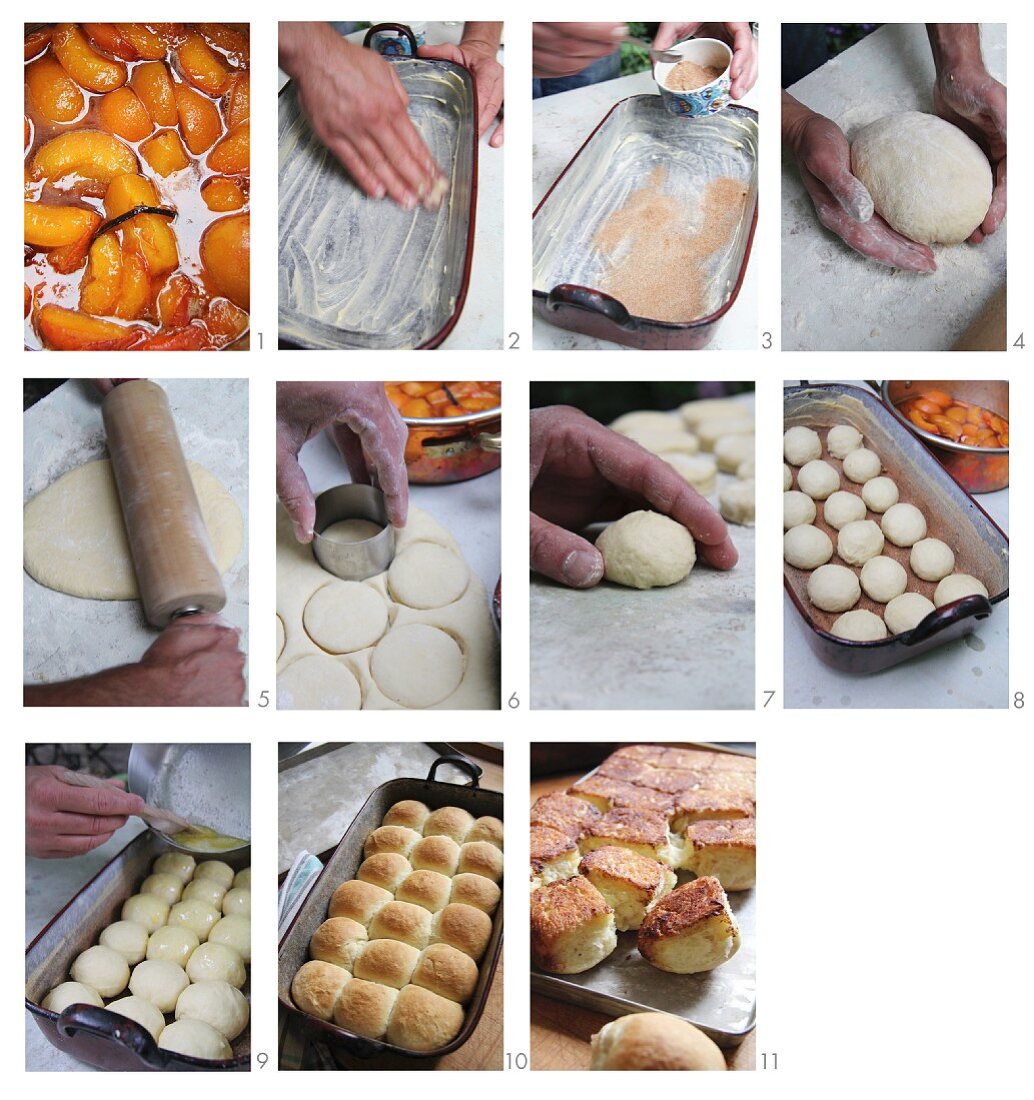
(128, 938)
(238, 902)
(952, 588)
(101, 968)
(318, 681)
(158, 981)
(806, 547)
(175, 863)
(862, 465)
(205, 889)
(646, 550)
(146, 910)
(746, 470)
(801, 445)
(736, 502)
(218, 1004)
(842, 508)
(195, 914)
(929, 180)
(730, 451)
(833, 588)
(172, 944)
(143, 1012)
(931, 559)
(672, 440)
(196, 1039)
(417, 665)
(235, 932)
(242, 880)
(344, 616)
(879, 493)
(903, 524)
(906, 611)
(165, 886)
(215, 869)
(798, 508)
(701, 471)
(71, 993)
(841, 440)
(641, 420)
(859, 626)
(426, 575)
(818, 479)
(787, 477)
(711, 431)
(859, 541)
(883, 578)
(216, 962)
(713, 408)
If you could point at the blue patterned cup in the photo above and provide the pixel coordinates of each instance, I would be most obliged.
(708, 99)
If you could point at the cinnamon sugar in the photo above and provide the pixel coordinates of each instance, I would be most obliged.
(688, 76)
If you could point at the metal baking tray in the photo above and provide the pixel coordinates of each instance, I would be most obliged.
(343, 864)
(721, 1002)
(356, 272)
(981, 547)
(635, 137)
(95, 1035)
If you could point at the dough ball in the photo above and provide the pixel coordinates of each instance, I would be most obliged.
(158, 981)
(929, 180)
(787, 477)
(196, 1039)
(196, 915)
(215, 962)
(318, 682)
(205, 889)
(128, 938)
(143, 1012)
(646, 550)
(904, 524)
(351, 530)
(701, 471)
(163, 885)
(344, 616)
(672, 440)
(798, 508)
(242, 880)
(714, 408)
(235, 932)
(172, 944)
(879, 494)
(842, 508)
(859, 541)
(745, 470)
(710, 431)
(175, 863)
(146, 910)
(417, 665)
(215, 869)
(906, 611)
(862, 465)
(218, 1004)
(952, 588)
(883, 578)
(730, 451)
(281, 637)
(237, 902)
(426, 575)
(806, 547)
(818, 479)
(71, 993)
(801, 445)
(931, 559)
(736, 502)
(833, 588)
(642, 420)
(101, 968)
(840, 442)
(859, 626)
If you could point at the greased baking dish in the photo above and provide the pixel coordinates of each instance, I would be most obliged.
(95, 1035)
(981, 547)
(344, 863)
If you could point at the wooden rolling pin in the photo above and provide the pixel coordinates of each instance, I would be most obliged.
(172, 554)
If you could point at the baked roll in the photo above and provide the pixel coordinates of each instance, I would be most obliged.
(317, 986)
(476, 890)
(408, 813)
(400, 920)
(572, 927)
(463, 927)
(725, 849)
(709, 804)
(451, 821)
(554, 855)
(422, 1020)
(386, 870)
(364, 1008)
(480, 857)
(669, 780)
(614, 794)
(488, 829)
(629, 882)
(428, 889)
(391, 838)
(338, 940)
(448, 972)
(690, 930)
(639, 831)
(389, 962)
(436, 853)
(360, 901)
(564, 812)
(653, 1040)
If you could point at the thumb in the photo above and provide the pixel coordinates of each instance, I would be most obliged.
(292, 487)
(564, 556)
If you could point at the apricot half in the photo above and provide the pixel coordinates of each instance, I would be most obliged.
(106, 37)
(83, 63)
(148, 44)
(54, 226)
(37, 41)
(232, 156)
(222, 194)
(232, 42)
(54, 94)
(152, 83)
(135, 296)
(69, 330)
(102, 279)
(199, 119)
(226, 255)
(122, 113)
(238, 99)
(202, 66)
(91, 154)
(149, 235)
(165, 153)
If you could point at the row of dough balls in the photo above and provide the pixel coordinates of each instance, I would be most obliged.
(397, 958)
(182, 948)
(861, 541)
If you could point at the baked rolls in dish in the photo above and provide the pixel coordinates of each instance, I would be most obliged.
(690, 930)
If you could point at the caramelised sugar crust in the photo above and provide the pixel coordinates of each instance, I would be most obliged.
(670, 780)
(739, 833)
(564, 812)
(617, 794)
(712, 804)
(624, 768)
(686, 907)
(631, 827)
(641, 873)
(560, 906)
(547, 845)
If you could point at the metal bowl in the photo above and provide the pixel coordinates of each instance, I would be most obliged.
(443, 449)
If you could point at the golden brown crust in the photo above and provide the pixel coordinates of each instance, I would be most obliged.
(450, 821)
(669, 780)
(480, 857)
(364, 1008)
(436, 853)
(625, 768)
(358, 900)
(559, 907)
(390, 838)
(389, 962)
(317, 986)
(488, 829)
(428, 889)
(463, 927)
(401, 920)
(423, 1021)
(409, 813)
(621, 865)
(685, 907)
(711, 804)
(631, 827)
(386, 870)
(476, 890)
(546, 845)
(740, 833)
(448, 972)
(641, 752)
(620, 795)
(563, 812)
(654, 1041)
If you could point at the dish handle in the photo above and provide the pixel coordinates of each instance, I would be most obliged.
(569, 296)
(108, 1025)
(398, 28)
(975, 607)
(461, 762)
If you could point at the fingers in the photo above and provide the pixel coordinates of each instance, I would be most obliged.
(744, 68)
(292, 488)
(77, 845)
(722, 556)
(68, 824)
(496, 140)
(996, 211)
(351, 450)
(564, 556)
(62, 798)
(395, 186)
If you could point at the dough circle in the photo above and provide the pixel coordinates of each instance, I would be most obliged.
(235, 932)
(904, 524)
(674, 439)
(833, 588)
(842, 508)
(818, 479)
(417, 665)
(860, 626)
(196, 1039)
(883, 578)
(71, 993)
(801, 445)
(426, 575)
(798, 508)
(344, 616)
(859, 541)
(216, 962)
(931, 559)
(806, 547)
(862, 465)
(646, 550)
(730, 451)
(879, 494)
(142, 1012)
(841, 440)
(172, 944)
(318, 682)
(952, 588)
(75, 539)
(351, 530)
(906, 611)
(736, 502)
(128, 938)
(218, 1004)
(160, 982)
(929, 180)
(701, 471)
(643, 420)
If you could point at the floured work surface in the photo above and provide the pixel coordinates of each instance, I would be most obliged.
(656, 211)
(356, 272)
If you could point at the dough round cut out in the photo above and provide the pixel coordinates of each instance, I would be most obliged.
(879, 494)
(931, 559)
(907, 611)
(954, 587)
(904, 524)
(426, 575)
(806, 547)
(862, 465)
(883, 578)
(842, 439)
(344, 616)
(646, 550)
(736, 502)
(75, 539)
(859, 626)
(798, 508)
(318, 682)
(833, 588)
(801, 445)
(818, 479)
(417, 665)
(859, 541)
(842, 508)
(351, 530)
(701, 471)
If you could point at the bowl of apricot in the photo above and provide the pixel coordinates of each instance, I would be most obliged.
(137, 185)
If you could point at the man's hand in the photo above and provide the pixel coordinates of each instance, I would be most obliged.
(563, 49)
(362, 419)
(356, 106)
(842, 202)
(743, 71)
(581, 473)
(63, 820)
(477, 52)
